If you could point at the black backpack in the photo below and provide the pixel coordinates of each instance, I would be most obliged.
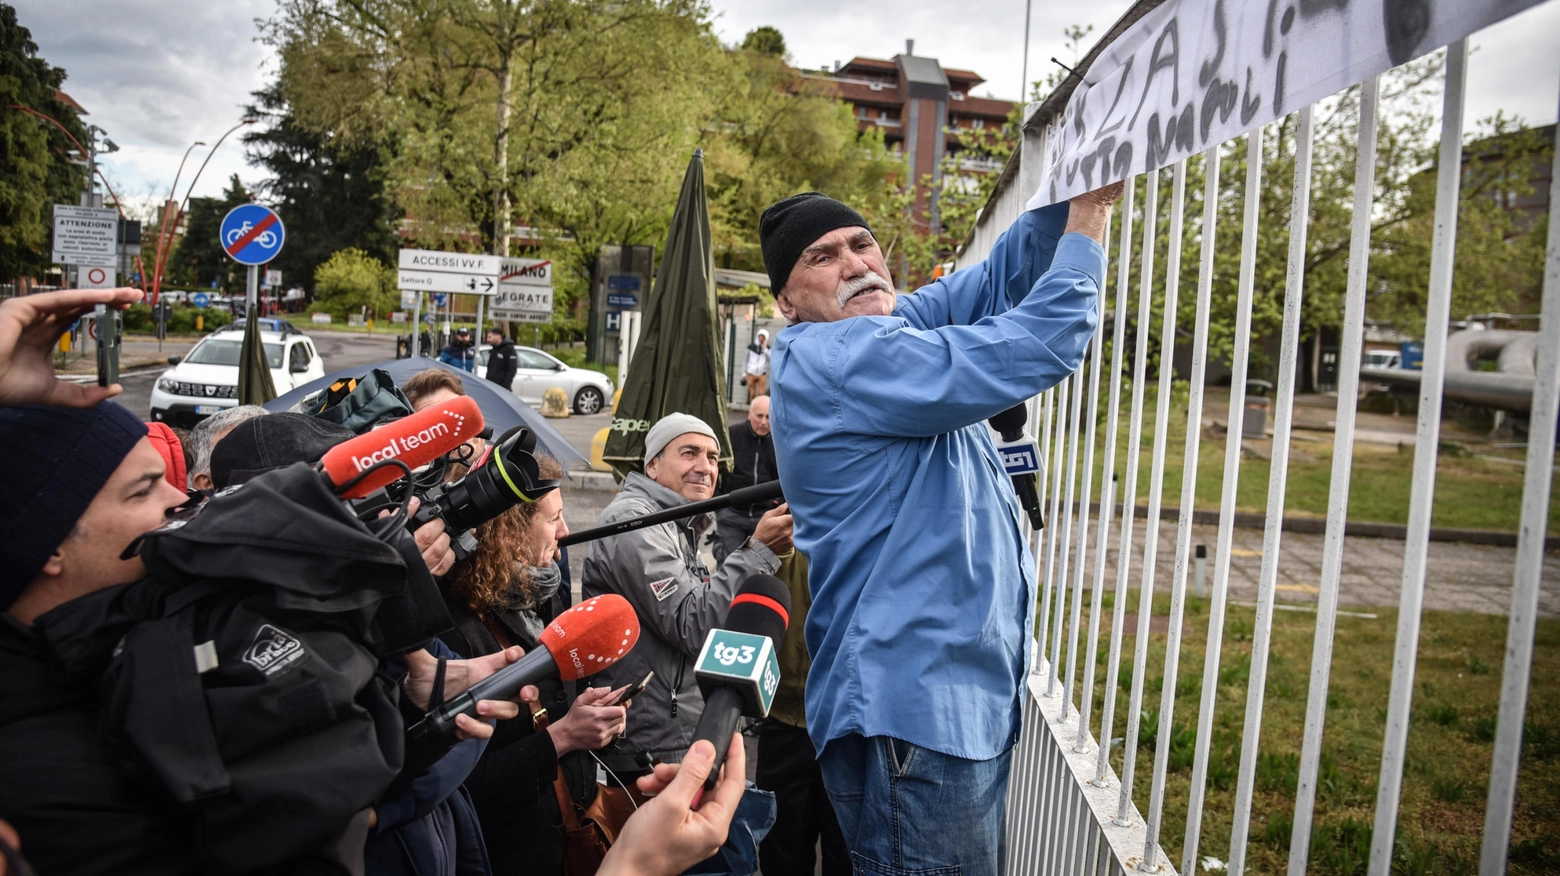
(242, 675)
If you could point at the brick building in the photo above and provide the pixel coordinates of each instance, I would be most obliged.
(916, 102)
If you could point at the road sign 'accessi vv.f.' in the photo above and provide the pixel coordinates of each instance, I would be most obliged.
(252, 234)
(424, 270)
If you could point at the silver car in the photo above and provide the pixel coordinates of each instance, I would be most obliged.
(536, 372)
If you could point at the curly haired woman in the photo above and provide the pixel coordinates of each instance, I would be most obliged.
(505, 594)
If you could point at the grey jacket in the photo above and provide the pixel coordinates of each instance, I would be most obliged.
(678, 601)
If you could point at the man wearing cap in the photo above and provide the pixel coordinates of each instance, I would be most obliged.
(678, 600)
(923, 590)
(459, 352)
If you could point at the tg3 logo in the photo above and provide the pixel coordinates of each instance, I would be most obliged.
(729, 654)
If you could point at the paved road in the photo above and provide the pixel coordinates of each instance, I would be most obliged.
(1459, 577)
(337, 349)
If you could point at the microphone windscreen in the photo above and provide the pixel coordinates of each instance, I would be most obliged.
(416, 440)
(762, 607)
(591, 636)
(1011, 420)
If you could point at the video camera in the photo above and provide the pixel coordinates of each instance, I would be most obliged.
(505, 476)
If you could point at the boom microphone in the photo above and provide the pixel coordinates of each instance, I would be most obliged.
(737, 670)
(416, 440)
(580, 642)
(754, 495)
(1021, 459)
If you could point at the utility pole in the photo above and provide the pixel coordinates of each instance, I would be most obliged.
(1023, 87)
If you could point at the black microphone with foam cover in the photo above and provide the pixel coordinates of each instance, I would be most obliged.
(739, 670)
(1016, 443)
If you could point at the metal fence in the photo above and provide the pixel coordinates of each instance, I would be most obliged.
(1068, 809)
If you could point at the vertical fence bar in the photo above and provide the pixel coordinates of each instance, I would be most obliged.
(1056, 503)
(1156, 798)
(1095, 356)
(1123, 280)
(1129, 491)
(1530, 558)
(1338, 492)
(1091, 648)
(1443, 250)
(1073, 419)
(1278, 472)
(1194, 408)
(1232, 443)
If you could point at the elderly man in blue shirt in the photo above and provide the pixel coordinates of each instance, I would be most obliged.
(923, 589)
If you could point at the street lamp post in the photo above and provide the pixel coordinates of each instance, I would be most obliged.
(162, 250)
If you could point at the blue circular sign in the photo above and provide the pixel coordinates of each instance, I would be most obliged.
(251, 234)
(200, 299)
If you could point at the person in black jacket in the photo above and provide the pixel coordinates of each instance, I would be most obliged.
(502, 358)
(93, 485)
(504, 595)
(752, 462)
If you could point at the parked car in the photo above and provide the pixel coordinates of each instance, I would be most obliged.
(537, 372)
(1382, 359)
(206, 380)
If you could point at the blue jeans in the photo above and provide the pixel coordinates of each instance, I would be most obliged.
(908, 810)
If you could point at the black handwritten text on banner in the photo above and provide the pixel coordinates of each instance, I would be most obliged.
(1193, 73)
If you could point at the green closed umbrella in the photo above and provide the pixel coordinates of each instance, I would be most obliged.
(255, 386)
(679, 366)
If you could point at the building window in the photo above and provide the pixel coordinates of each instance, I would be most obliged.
(978, 124)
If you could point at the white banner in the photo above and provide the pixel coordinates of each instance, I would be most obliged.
(1194, 73)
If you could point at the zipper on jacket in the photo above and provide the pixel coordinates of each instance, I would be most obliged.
(682, 664)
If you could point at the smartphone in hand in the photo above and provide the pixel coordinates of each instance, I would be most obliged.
(633, 691)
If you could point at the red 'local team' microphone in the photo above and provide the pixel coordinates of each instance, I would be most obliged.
(582, 641)
(416, 440)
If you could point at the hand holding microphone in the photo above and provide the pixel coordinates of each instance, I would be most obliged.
(580, 642)
(737, 669)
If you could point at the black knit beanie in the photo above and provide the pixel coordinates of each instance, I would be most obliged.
(792, 225)
(57, 461)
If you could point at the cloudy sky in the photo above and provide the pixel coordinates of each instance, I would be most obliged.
(158, 75)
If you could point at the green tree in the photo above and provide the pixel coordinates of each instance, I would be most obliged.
(576, 115)
(352, 281)
(781, 133)
(199, 258)
(765, 40)
(330, 194)
(36, 155)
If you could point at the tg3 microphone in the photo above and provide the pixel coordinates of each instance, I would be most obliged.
(737, 669)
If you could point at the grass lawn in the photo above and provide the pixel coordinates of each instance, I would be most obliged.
(1456, 692)
(1470, 492)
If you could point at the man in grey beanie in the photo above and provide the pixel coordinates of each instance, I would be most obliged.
(659, 571)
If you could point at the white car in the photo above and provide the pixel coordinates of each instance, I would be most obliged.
(536, 372)
(205, 380)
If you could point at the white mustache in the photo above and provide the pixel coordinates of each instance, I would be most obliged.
(870, 280)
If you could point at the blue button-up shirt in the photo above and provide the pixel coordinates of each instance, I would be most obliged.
(923, 588)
